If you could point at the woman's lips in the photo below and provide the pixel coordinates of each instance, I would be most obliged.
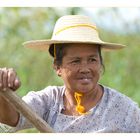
(84, 80)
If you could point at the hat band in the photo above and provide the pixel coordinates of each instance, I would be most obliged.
(77, 25)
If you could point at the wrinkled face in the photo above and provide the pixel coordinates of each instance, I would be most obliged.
(80, 69)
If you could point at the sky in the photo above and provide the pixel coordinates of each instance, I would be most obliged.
(129, 13)
(126, 19)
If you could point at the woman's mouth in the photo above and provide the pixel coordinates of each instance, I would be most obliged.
(84, 80)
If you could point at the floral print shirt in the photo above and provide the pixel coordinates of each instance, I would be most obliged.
(114, 113)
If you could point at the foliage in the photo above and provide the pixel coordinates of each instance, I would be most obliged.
(35, 68)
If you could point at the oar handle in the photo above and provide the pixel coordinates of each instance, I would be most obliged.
(26, 111)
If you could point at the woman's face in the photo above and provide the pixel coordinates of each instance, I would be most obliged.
(80, 69)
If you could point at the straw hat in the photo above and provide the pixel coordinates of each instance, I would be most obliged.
(73, 29)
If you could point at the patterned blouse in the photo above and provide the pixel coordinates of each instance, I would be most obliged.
(114, 113)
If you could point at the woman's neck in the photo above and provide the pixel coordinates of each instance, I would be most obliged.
(88, 100)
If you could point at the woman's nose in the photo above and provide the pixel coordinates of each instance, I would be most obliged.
(84, 68)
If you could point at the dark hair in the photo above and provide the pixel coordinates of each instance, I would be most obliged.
(59, 50)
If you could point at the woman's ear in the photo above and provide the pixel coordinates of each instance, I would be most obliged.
(102, 70)
(58, 72)
(57, 69)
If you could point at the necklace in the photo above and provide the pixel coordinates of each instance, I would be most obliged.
(78, 108)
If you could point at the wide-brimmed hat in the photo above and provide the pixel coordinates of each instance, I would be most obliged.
(73, 29)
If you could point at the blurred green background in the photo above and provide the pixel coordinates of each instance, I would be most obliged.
(34, 68)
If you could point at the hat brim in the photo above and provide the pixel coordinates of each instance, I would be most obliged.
(45, 44)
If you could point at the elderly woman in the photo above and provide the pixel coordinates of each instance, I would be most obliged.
(81, 104)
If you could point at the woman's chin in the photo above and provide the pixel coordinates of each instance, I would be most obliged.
(85, 89)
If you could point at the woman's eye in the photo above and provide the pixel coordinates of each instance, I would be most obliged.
(92, 59)
(75, 61)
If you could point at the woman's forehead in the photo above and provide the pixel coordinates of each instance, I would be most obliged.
(73, 49)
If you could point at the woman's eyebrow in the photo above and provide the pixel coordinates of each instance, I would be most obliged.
(93, 55)
(77, 57)
(73, 57)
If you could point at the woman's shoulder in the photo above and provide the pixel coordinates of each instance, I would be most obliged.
(50, 92)
(116, 96)
(56, 91)
(53, 89)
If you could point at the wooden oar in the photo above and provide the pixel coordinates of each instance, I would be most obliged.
(26, 111)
